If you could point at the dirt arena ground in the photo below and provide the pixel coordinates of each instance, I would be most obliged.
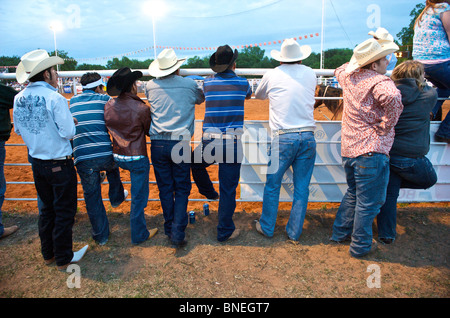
(415, 266)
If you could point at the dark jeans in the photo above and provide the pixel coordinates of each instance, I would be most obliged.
(139, 175)
(228, 153)
(89, 172)
(438, 74)
(56, 185)
(411, 173)
(174, 183)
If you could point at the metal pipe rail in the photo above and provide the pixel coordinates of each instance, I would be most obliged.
(183, 72)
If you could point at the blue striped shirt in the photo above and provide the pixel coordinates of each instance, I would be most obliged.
(91, 139)
(225, 94)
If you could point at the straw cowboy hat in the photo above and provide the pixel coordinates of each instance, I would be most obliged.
(382, 35)
(121, 79)
(165, 64)
(35, 62)
(222, 58)
(369, 51)
(291, 51)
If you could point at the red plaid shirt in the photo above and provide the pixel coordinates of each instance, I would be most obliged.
(372, 106)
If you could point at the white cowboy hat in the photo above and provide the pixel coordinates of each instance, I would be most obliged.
(291, 51)
(382, 35)
(35, 62)
(165, 64)
(369, 51)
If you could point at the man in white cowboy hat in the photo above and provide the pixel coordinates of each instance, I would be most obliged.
(372, 106)
(225, 94)
(290, 89)
(382, 35)
(127, 118)
(42, 118)
(172, 101)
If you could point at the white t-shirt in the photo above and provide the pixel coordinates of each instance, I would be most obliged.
(290, 89)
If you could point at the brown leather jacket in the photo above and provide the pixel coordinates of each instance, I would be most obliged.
(128, 120)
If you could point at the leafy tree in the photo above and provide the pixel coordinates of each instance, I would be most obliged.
(313, 61)
(197, 62)
(10, 61)
(90, 67)
(333, 58)
(250, 57)
(69, 63)
(406, 34)
(115, 63)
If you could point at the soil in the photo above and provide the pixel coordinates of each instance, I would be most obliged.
(416, 265)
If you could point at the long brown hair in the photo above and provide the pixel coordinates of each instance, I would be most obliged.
(429, 4)
(410, 69)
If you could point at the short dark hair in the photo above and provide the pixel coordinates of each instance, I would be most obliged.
(369, 66)
(128, 88)
(88, 78)
(40, 76)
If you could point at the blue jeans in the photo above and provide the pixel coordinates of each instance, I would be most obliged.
(56, 185)
(411, 173)
(139, 175)
(2, 182)
(367, 179)
(89, 172)
(299, 151)
(438, 74)
(174, 184)
(228, 153)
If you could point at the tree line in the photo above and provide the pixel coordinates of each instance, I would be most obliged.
(251, 57)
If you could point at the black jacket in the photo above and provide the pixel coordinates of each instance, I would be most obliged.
(412, 132)
(6, 103)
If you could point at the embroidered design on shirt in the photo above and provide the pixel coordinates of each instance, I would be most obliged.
(31, 113)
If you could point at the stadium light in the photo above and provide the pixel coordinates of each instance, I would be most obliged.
(56, 26)
(156, 9)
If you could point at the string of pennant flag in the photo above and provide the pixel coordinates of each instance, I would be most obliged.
(183, 48)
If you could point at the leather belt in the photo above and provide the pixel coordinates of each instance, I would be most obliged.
(371, 154)
(293, 130)
(63, 158)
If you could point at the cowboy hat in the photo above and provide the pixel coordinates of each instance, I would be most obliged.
(291, 51)
(35, 62)
(222, 58)
(382, 35)
(369, 51)
(121, 79)
(165, 64)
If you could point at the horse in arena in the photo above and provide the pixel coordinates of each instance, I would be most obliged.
(333, 105)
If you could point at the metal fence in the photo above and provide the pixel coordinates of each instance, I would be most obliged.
(443, 165)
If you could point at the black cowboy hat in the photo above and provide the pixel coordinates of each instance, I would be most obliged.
(222, 58)
(121, 79)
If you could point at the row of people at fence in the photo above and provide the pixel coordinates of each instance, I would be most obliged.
(376, 164)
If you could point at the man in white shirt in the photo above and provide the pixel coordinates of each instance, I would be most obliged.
(42, 118)
(290, 89)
